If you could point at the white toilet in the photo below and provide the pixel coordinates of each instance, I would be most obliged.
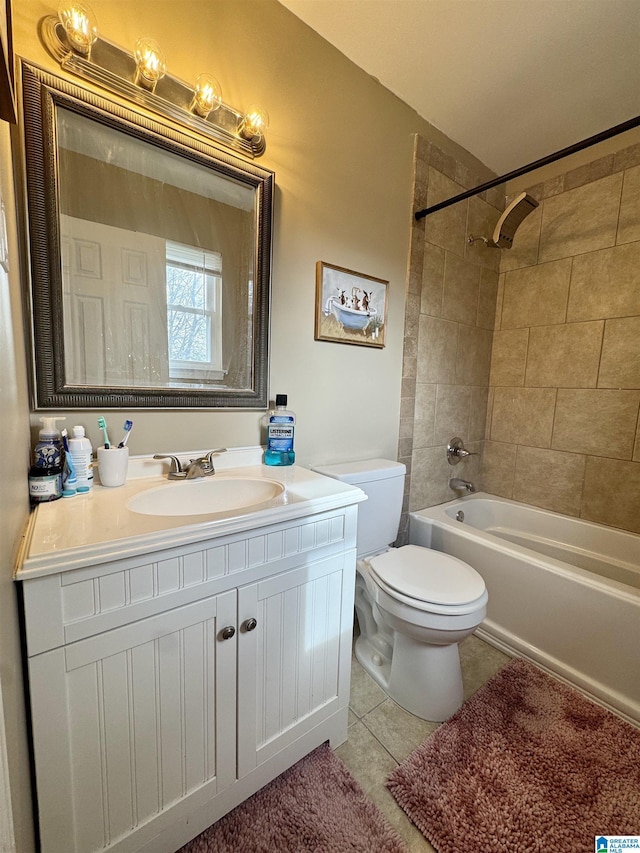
(414, 605)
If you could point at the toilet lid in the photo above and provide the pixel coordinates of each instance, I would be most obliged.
(428, 575)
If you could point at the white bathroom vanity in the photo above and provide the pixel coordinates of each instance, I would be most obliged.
(179, 663)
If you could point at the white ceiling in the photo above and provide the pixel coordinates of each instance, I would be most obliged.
(510, 80)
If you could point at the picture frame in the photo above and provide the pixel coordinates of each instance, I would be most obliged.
(8, 109)
(351, 307)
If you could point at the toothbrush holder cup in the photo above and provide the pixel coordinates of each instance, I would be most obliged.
(112, 465)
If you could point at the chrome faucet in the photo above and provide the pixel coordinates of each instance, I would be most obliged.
(194, 469)
(456, 483)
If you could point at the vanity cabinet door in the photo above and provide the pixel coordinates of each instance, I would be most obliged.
(129, 723)
(294, 655)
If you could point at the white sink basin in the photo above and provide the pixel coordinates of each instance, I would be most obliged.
(205, 496)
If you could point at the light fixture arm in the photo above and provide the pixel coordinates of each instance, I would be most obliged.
(113, 68)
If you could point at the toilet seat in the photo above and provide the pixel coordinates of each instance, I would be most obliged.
(428, 580)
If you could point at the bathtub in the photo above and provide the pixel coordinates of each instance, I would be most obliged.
(563, 592)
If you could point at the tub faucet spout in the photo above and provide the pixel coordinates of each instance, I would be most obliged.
(456, 483)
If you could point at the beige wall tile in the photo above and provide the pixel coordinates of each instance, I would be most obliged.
(620, 362)
(411, 315)
(474, 356)
(448, 227)
(629, 224)
(498, 468)
(461, 288)
(549, 479)
(636, 449)
(605, 283)
(509, 356)
(478, 413)
(589, 172)
(437, 348)
(409, 367)
(536, 296)
(432, 280)
(499, 301)
(601, 422)
(612, 493)
(523, 416)
(430, 474)
(581, 220)
(564, 356)
(628, 157)
(524, 252)
(487, 298)
(425, 415)
(490, 399)
(452, 412)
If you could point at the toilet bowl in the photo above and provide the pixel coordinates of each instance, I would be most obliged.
(413, 604)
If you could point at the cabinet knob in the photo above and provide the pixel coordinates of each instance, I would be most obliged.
(250, 624)
(228, 632)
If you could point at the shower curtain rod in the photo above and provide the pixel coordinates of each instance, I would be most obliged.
(523, 170)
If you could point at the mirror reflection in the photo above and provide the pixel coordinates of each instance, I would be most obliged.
(162, 284)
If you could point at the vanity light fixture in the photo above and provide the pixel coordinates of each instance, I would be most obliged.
(72, 38)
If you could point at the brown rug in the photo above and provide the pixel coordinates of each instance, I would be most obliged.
(527, 764)
(316, 806)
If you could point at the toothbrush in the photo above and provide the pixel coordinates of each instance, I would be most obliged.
(103, 426)
(127, 430)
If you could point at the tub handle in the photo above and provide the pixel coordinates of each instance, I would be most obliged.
(456, 451)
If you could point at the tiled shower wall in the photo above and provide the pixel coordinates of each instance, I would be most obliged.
(449, 319)
(562, 398)
(562, 431)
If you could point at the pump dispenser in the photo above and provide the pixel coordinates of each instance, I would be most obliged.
(48, 450)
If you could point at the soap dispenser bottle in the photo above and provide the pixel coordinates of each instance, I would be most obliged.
(48, 451)
(45, 475)
(280, 434)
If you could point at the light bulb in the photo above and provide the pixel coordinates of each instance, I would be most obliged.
(254, 122)
(207, 95)
(80, 26)
(150, 62)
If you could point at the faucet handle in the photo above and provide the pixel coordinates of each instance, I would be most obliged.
(456, 451)
(208, 458)
(175, 471)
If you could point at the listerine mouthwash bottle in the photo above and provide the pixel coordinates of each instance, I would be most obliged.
(280, 431)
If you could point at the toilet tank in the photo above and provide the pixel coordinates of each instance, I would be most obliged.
(379, 516)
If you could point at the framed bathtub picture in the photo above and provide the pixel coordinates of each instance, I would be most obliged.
(351, 308)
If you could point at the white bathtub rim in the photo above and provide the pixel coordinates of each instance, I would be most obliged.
(438, 517)
(511, 645)
(533, 510)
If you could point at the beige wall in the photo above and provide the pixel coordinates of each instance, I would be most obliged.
(565, 374)
(341, 149)
(14, 509)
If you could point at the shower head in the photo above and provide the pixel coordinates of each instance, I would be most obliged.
(509, 222)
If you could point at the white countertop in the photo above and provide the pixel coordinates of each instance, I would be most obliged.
(89, 528)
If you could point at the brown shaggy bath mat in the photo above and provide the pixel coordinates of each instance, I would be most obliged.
(314, 807)
(527, 764)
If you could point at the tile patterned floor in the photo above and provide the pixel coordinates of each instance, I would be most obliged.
(382, 734)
